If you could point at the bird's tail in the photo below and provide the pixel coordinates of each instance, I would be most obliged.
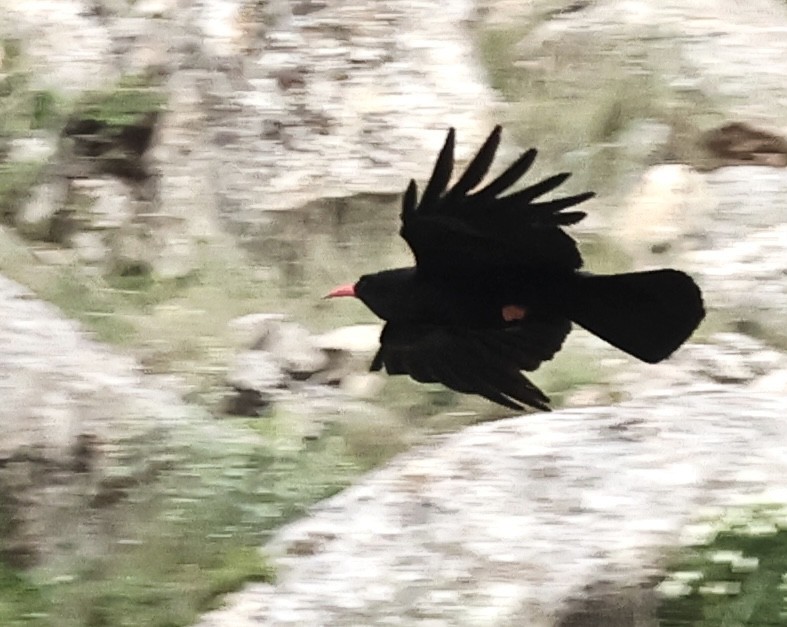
(646, 314)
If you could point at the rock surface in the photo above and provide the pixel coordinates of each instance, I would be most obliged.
(726, 358)
(279, 352)
(507, 523)
(268, 106)
(79, 424)
(277, 91)
(273, 105)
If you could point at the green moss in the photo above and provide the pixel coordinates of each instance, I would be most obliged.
(738, 580)
(170, 566)
(46, 109)
(16, 182)
(122, 106)
(175, 542)
(23, 109)
(21, 601)
(497, 50)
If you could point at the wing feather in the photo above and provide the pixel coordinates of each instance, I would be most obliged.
(441, 175)
(409, 200)
(474, 361)
(479, 166)
(451, 230)
(530, 344)
(509, 177)
(457, 376)
(547, 209)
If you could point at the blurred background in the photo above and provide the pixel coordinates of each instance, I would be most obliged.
(182, 181)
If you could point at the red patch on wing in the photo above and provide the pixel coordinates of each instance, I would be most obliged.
(512, 313)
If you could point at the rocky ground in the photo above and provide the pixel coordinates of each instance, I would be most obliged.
(80, 424)
(177, 177)
(513, 522)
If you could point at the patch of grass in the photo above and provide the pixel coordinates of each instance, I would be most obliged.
(85, 298)
(497, 49)
(178, 541)
(371, 438)
(75, 292)
(169, 566)
(21, 601)
(580, 96)
(132, 99)
(737, 580)
(16, 182)
(47, 110)
(172, 573)
(23, 109)
(573, 368)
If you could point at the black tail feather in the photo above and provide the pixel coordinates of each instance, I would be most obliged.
(646, 314)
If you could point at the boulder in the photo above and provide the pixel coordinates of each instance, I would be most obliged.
(559, 519)
(102, 203)
(35, 218)
(80, 427)
(665, 214)
(255, 376)
(354, 339)
(289, 344)
(247, 331)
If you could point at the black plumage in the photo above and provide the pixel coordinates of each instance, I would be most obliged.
(497, 283)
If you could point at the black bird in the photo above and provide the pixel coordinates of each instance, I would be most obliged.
(497, 283)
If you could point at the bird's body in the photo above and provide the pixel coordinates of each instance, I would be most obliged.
(497, 283)
(470, 299)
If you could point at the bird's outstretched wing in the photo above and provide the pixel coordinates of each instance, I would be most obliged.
(460, 227)
(487, 362)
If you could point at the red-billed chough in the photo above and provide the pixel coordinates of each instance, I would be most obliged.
(496, 285)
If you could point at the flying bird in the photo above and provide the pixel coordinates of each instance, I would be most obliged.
(497, 284)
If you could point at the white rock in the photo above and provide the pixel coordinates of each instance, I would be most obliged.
(249, 330)
(89, 247)
(34, 218)
(771, 383)
(255, 370)
(39, 148)
(412, 526)
(104, 203)
(357, 338)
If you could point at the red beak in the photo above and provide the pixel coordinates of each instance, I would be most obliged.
(342, 290)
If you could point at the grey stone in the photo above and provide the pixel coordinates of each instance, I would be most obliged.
(292, 347)
(73, 414)
(104, 203)
(516, 521)
(256, 370)
(249, 330)
(89, 247)
(357, 338)
(35, 218)
(39, 148)
(666, 210)
(745, 275)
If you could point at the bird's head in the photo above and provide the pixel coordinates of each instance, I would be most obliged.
(388, 294)
(359, 289)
